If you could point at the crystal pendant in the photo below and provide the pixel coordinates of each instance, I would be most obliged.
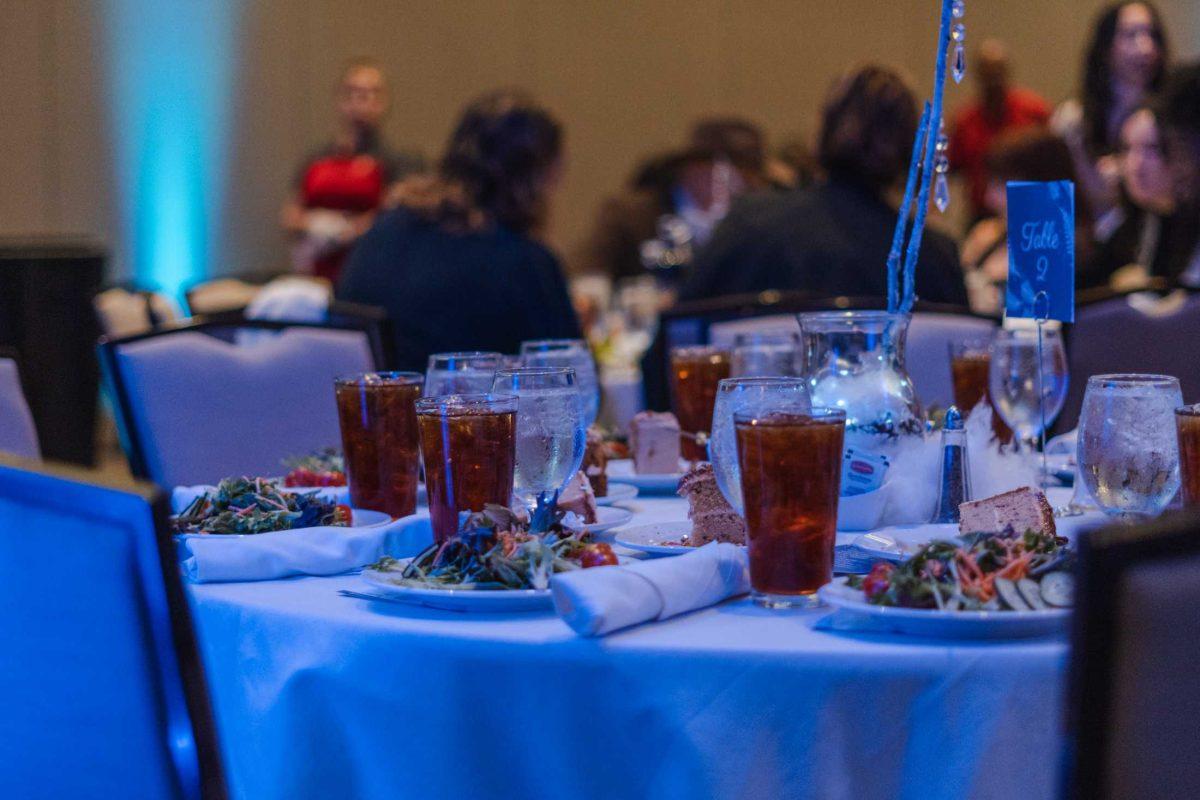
(941, 192)
(958, 8)
(960, 64)
(958, 33)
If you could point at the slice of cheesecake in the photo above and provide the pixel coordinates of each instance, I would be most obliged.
(1024, 509)
(577, 496)
(654, 439)
(713, 519)
(595, 462)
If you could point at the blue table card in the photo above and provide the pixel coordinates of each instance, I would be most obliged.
(1041, 250)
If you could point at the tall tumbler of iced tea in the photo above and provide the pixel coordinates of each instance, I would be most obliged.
(377, 412)
(1187, 426)
(791, 477)
(695, 373)
(970, 362)
(469, 445)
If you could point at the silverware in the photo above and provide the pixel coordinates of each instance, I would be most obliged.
(384, 599)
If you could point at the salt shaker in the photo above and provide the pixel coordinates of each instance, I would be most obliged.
(956, 475)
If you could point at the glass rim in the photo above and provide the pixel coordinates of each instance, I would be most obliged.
(448, 404)
(815, 414)
(1025, 333)
(699, 349)
(852, 315)
(1129, 380)
(777, 336)
(466, 355)
(551, 343)
(535, 371)
(762, 380)
(386, 378)
(1188, 411)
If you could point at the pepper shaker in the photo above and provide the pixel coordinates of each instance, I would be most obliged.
(956, 475)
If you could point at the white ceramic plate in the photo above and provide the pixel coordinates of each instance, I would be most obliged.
(900, 541)
(359, 518)
(607, 518)
(947, 624)
(651, 538)
(494, 600)
(617, 493)
(341, 494)
(620, 470)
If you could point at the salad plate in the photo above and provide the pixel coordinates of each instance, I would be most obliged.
(657, 538)
(607, 518)
(359, 518)
(620, 471)
(497, 600)
(618, 493)
(946, 624)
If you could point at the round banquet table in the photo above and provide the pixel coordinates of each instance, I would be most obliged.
(318, 695)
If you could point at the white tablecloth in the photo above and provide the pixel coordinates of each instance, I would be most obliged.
(322, 696)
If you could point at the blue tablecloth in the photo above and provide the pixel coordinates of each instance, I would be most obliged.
(320, 696)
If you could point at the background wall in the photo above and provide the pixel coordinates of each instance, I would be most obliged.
(172, 129)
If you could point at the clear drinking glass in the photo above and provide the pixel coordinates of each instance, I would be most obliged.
(573, 353)
(551, 432)
(1128, 451)
(765, 353)
(746, 395)
(378, 419)
(460, 373)
(695, 373)
(1013, 381)
(1187, 427)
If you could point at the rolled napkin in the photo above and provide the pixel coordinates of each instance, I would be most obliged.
(598, 601)
(182, 496)
(309, 551)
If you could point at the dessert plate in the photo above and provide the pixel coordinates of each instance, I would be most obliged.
(657, 538)
(607, 518)
(359, 518)
(621, 471)
(946, 624)
(618, 493)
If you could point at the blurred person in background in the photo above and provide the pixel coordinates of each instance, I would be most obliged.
(339, 189)
(833, 237)
(999, 107)
(1125, 62)
(1180, 117)
(793, 166)
(1028, 154)
(457, 264)
(687, 191)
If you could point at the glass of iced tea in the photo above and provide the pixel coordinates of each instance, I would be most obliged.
(695, 373)
(469, 445)
(1187, 427)
(378, 417)
(791, 467)
(970, 361)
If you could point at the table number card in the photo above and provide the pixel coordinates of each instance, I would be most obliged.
(1041, 250)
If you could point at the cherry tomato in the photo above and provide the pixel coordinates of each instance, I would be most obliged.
(876, 582)
(342, 513)
(598, 555)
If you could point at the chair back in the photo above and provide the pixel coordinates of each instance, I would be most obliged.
(222, 294)
(195, 408)
(102, 687)
(927, 361)
(1134, 333)
(1134, 715)
(18, 435)
(125, 311)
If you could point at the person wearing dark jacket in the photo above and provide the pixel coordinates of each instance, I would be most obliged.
(456, 264)
(833, 238)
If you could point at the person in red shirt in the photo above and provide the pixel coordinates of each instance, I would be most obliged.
(339, 188)
(1000, 107)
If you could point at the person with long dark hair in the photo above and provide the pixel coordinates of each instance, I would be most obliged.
(457, 263)
(1125, 61)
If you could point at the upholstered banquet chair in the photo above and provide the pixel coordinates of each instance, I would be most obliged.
(101, 685)
(1134, 715)
(195, 407)
(17, 434)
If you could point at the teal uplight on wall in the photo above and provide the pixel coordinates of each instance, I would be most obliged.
(170, 82)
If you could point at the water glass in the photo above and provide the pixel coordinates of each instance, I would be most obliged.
(765, 353)
(460, 373)
(378, 419)
(469, 446)
(695, 373)
(1128, 450)
(1187, 429)
(551, 433)
(573, 353)
(791, 477)
(1013, 381)
(746, 395)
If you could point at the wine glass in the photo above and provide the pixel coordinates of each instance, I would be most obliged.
(460, 373)
(765, 353)
(1128, 450)
(1013, 381)
(750, 395)
(551, 431)
(572, 353)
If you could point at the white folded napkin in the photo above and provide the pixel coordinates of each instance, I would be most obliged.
(598, 601)
(308, 551)
(182, 496)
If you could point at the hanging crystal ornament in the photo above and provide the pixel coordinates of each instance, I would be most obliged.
(941, 165)
(958, 8)
(958, 35)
